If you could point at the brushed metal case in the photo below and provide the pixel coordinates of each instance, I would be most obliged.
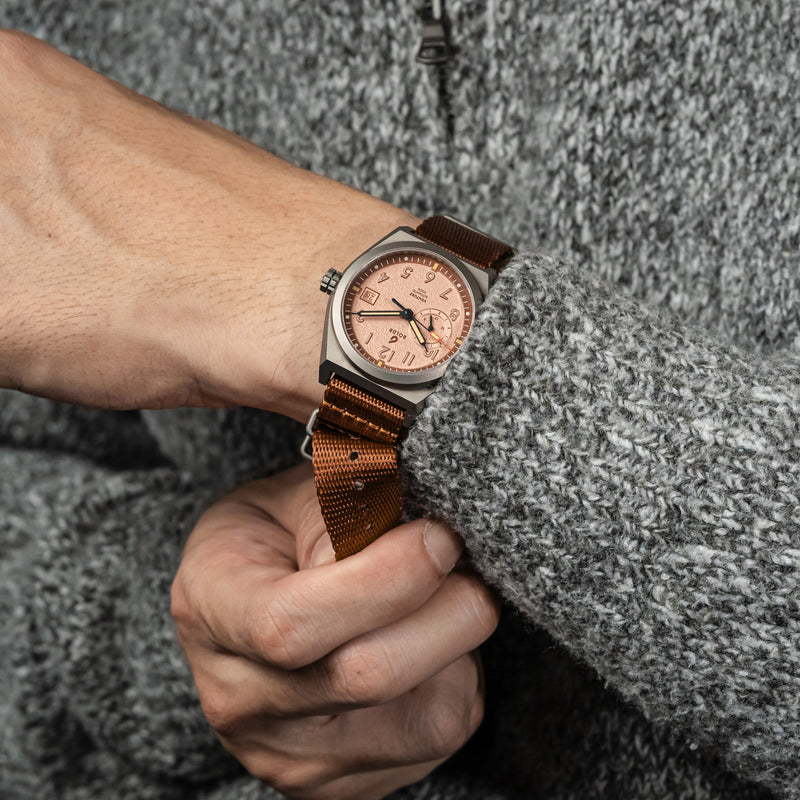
(410, 390)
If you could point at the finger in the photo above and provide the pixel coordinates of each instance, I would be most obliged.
(299, 779)
(367, 748)
(371, 670)
(428, 723)
(286, 500)
(297, 619)
(388, 662)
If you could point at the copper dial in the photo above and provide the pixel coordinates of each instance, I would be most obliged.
(408, 311)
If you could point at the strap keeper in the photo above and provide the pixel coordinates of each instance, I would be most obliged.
(306, 448)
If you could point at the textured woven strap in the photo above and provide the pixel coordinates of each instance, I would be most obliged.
(355, 465)
(356, 434)
(466, 242)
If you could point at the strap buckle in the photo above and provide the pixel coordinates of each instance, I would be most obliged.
(306, 449)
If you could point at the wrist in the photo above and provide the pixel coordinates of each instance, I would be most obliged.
(294, 359)
(252, 334)
(366, 221)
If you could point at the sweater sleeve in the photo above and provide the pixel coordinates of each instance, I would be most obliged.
(632, 484)
(95, 690)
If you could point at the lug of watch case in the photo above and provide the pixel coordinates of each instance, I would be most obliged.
(334, 362)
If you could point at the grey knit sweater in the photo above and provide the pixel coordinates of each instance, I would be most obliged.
(618, 442)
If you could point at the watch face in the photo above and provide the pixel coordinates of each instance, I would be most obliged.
(407, 312)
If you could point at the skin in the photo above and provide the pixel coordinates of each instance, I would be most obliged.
(316, 692)
(138, 266)
(151, 260)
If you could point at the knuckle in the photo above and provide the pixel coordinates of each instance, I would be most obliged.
(220, 709)
(401, 580)
(180, 607)
(189, 586)
(361, 676)
(447, 728)
(293, 778)
(272, 631)
(405, 577)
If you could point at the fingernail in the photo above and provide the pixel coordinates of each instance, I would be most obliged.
(322, 552)
(443, 545)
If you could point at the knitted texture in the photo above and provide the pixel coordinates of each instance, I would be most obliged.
(662, 526)
(617, 440)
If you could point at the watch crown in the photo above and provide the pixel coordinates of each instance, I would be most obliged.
(329, 281)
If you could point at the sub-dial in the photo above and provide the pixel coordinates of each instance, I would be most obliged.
(436, 325)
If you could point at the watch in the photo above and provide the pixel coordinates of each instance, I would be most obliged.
(396, 317)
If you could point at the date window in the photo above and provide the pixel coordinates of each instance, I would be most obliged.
(370, 296)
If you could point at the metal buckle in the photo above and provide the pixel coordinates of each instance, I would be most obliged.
(306, 449)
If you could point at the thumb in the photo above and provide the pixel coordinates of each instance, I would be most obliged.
(322, 551)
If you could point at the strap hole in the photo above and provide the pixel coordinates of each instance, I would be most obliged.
(364, 509)
(354, 455)
(358, 485)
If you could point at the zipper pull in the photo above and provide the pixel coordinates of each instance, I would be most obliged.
(435, 47)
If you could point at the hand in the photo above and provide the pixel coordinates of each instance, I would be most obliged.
(408, 314)
(329, 680)
(149, 259)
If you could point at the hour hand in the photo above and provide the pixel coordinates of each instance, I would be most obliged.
(387, 313)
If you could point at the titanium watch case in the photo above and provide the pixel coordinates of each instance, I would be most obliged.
(408, 391)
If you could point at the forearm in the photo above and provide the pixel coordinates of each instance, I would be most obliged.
(151, 259)
(631, 484)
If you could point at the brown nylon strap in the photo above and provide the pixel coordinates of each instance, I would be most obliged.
(467, 243)
(356, 434)
(356, 411)
(355, 465)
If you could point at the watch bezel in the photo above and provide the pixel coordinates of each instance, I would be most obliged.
(349, 275)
